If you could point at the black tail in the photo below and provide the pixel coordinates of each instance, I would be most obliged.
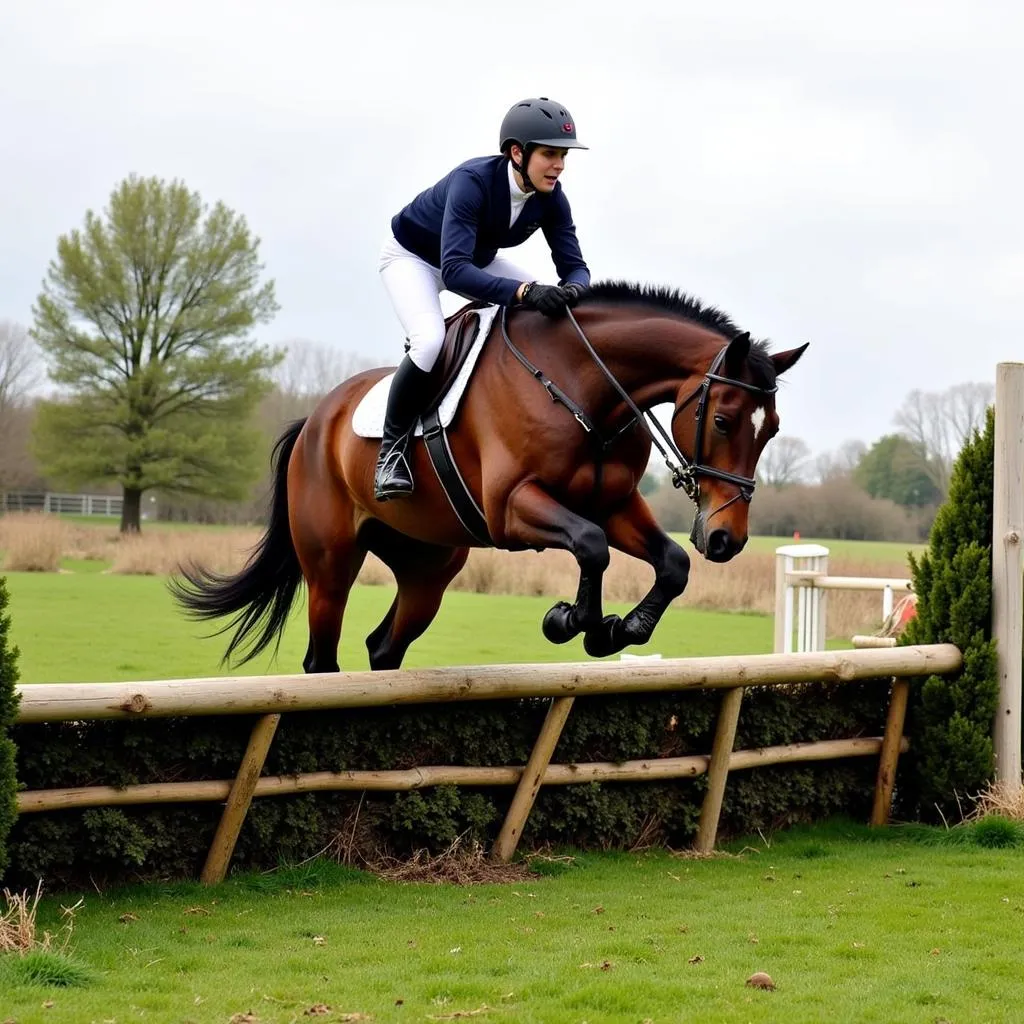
(261, 595)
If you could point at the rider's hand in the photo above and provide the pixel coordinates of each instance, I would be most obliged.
(573, 292)
(545, 298)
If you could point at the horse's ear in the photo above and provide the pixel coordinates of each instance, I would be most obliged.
(787, 360)
(736, 354)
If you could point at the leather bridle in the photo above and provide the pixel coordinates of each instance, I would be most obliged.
(685, 473)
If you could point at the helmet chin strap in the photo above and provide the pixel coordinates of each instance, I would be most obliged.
(528, 185)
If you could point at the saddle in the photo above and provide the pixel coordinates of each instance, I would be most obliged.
(461, 329)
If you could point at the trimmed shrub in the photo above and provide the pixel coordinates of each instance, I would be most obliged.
(8, 709)
(949, 719)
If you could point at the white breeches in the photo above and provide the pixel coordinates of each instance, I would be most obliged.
(415, 287)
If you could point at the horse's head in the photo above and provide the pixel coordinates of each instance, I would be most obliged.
(726, 423)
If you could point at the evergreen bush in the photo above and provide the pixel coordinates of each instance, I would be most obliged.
(949, 719)
(8, 709)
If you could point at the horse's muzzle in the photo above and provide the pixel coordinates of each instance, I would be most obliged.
(721, 546)
(717, 546)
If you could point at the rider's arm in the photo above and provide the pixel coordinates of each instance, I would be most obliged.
(458, 240)
(560, 232)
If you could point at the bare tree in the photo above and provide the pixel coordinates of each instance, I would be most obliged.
(783, 461)
(18, 467)
(841, 463)
(20, 366)
(942, 422)
(21, 369)
(310, 370)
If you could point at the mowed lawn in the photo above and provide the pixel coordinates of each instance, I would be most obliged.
(88, 626)
(849, 925)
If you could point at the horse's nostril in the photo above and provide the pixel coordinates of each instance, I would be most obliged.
(718, 543)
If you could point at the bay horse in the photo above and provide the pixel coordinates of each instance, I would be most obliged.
(552, 438)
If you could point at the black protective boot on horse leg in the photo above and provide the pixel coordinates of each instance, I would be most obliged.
(409, 392)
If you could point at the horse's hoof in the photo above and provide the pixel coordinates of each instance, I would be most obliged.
(559, 625)
(608, 638)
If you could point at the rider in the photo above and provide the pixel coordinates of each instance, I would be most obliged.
(448, 238)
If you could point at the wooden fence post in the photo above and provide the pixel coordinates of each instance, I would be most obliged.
(891, 745)
(530, 781)
(1007, 579)
(718, 769)
(237, 806)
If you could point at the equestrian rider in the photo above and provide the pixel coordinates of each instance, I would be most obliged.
(448, 237)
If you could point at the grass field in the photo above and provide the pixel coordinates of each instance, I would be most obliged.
(58, 617)
(894, 926)
(881, 551)
(850, 926)
(86, 626)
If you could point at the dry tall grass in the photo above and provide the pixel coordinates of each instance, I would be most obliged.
(33, 542)
(18, 931)
(37, 542)
(161, 552)
(999, 798)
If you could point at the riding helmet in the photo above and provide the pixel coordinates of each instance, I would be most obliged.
(539, 122)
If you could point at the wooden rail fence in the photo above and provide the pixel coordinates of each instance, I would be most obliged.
(268, 697)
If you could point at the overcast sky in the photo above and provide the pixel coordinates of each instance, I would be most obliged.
(847, 175)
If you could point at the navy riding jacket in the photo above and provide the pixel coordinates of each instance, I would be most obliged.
(459, 224)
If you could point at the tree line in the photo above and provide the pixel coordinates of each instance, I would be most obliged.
(888, 490)
(144, 330)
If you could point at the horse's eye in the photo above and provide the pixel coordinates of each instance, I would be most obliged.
(721, 424)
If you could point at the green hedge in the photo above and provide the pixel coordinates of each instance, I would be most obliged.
(171, 841)
(8, 709)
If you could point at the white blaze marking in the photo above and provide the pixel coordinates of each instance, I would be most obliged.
(757, 417)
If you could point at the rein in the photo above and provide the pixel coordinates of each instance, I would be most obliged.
(685, 473)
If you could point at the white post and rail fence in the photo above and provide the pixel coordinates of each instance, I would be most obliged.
(802, 586)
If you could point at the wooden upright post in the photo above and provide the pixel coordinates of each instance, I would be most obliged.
(1007, 576)
(885, 781)
(718, 769)
(531, 779)
(237, 806)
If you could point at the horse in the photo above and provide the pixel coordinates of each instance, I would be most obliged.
(551, 439)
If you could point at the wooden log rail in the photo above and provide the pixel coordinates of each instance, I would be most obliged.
(270, 696)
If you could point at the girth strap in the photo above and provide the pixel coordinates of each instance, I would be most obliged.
(454, 486)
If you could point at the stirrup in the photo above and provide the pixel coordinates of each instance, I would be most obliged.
(393, 478)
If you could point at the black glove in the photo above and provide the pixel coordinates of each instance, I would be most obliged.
(573, 292)
(545, 298)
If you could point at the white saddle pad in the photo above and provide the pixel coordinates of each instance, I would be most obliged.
(368, 419)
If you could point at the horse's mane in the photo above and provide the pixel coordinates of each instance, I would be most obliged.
(672, 300)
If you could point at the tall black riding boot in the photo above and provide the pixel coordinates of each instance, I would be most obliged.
(393, 477)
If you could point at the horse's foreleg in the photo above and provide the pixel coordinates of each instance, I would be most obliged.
(634, 531)
(537, 520)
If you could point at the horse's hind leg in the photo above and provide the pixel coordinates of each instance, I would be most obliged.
(330, 561)
(328, 595)
(423, 572)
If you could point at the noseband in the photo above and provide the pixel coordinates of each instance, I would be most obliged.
(685, 473)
